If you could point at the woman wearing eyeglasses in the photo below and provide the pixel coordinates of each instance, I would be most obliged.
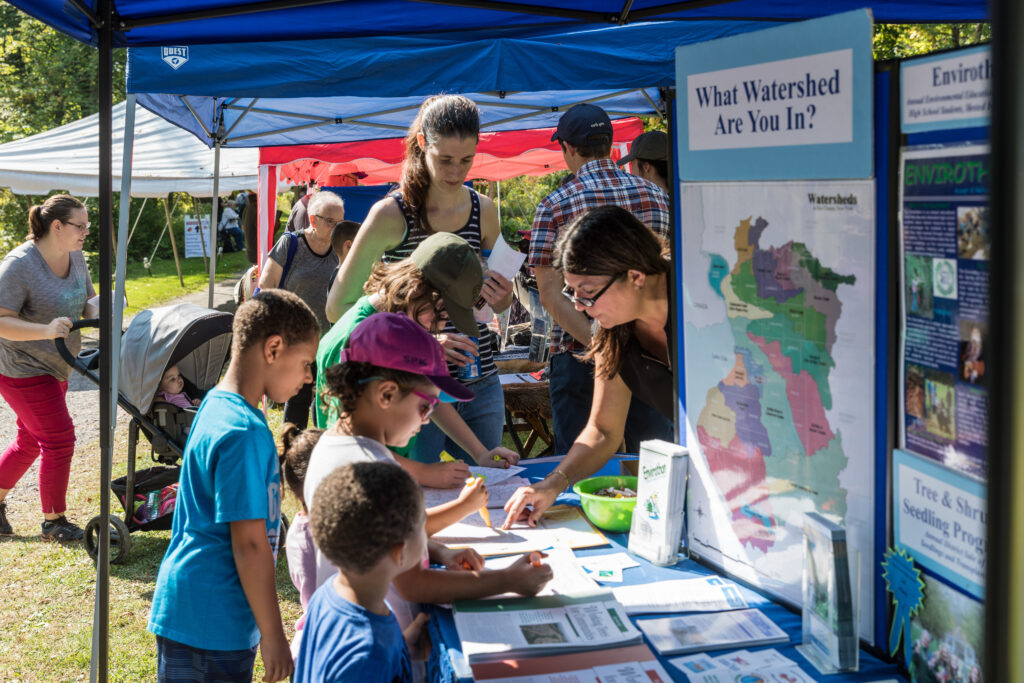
(44, 287)
(615, 270)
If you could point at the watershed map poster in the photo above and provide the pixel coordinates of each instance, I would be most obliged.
(779, 286)
(944, 220)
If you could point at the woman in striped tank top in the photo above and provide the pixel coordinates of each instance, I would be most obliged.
(432, 197)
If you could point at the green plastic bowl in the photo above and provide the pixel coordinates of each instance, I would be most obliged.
(610, 514)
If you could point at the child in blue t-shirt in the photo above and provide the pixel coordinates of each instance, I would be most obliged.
(216, 595)
(368, 519)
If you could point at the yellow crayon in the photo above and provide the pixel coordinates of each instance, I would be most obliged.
(497, 458)
(447, 457)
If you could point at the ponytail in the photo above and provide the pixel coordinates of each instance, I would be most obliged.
(440, 116)
(59, 207)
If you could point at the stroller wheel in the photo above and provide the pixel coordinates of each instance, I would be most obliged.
(120, 539)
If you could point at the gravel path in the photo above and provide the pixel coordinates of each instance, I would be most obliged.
(83, 404)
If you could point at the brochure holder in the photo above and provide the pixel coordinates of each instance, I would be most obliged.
(831, 581)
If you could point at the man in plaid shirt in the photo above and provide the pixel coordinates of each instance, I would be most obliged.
(585, 135)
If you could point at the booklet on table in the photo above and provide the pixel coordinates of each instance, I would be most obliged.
(704, 594)
(712, 631)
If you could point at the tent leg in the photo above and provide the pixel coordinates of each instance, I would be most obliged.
(214, 201)
(1004, 623)
(122, 244)
(174, 245)
(104, 83)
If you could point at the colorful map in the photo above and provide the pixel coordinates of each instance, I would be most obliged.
(778, 285)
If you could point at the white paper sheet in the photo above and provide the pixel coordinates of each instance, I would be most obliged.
(496, 495)
(504, 259)
(561, 527)
(707, 594)
(567, 579)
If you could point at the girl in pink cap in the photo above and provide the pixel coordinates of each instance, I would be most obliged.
(387, 383)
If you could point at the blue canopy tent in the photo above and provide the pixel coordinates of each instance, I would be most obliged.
(500, 33)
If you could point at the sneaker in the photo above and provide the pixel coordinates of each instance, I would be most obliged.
(62, 530)
(5, 526)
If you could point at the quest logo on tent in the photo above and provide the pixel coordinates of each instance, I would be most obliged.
(174, 55)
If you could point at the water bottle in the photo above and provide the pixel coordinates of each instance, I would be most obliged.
(153, 503)
(472, 369)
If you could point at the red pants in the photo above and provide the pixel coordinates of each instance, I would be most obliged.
(44, 428)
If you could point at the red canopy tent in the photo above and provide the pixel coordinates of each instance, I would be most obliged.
(499, 156)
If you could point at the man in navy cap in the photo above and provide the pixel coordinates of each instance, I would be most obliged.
(585, 135)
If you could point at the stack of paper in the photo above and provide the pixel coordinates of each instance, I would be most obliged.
(706, 594)
(769, 666)
(492, 630)
(715, 631)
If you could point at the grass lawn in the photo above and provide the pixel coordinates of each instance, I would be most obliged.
(160, 284)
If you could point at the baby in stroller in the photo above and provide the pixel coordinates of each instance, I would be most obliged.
(172, 389)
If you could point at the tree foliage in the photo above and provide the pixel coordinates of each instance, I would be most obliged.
(899, 41)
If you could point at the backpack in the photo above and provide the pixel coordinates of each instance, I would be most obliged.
(250, 275)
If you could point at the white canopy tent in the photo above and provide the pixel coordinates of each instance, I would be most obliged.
(165, 159)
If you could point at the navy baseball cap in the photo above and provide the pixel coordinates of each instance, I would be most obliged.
(581, 122)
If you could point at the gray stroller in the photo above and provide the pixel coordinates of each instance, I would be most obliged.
(198, 341)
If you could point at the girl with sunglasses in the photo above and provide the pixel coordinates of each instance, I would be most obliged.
(388, 380)
(44, 286)
(616, 271)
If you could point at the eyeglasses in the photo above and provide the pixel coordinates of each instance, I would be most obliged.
(328, 220)
(588, 301)
(432, 401)
(81, 227)
(425, 411)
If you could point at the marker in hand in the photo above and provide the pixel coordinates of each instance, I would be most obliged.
(447, 457)
(535, 559)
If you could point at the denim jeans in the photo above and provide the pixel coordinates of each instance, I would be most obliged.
(571, 384)
(296, 409)
(485, 416)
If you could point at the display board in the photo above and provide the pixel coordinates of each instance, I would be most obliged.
(778, 289)
(944, 221)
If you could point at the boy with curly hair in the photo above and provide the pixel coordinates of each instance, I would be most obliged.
(216, 595)
(368, 519)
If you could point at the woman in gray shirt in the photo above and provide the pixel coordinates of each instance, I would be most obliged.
(44, 287)
(309, 276)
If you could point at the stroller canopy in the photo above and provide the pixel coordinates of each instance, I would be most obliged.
(195, 339)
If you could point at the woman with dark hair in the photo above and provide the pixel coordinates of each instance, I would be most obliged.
(433, 198)
(616, 270)
(44, 287)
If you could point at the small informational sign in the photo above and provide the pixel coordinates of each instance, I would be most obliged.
(790, 102)
(197, 239)
(945, 364)
(940, 519)
(951, 90)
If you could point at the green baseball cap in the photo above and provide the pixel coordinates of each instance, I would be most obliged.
(451, 265)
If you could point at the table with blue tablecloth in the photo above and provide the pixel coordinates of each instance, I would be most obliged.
(447, 662)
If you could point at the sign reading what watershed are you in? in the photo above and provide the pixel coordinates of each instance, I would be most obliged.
(790, 102)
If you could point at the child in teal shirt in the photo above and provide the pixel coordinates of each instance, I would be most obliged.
(216, 597)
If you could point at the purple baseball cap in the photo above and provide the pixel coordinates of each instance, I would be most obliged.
(391, 340)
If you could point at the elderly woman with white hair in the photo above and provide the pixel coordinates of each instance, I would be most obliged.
(303, 262)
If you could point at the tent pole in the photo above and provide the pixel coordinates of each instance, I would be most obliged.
(170, 232)
(121, 261)
(104, 83)
(1004, 621)
(213, 217)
